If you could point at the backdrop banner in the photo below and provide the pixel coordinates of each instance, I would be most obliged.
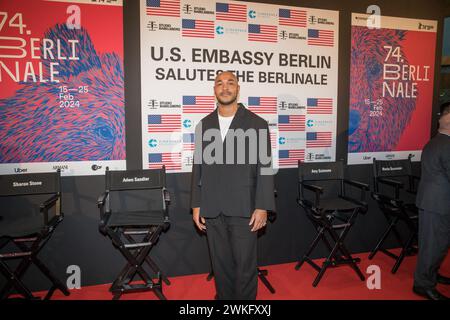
(285, 58)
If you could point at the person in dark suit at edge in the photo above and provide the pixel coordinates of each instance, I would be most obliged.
(232, 192)
(433, 201)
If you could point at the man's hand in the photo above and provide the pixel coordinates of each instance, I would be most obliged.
(199, 221)
(258, 219)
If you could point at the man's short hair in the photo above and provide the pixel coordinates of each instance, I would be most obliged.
(444, 108)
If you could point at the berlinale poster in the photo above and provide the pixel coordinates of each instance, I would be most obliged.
(391, 88)
(61, 78)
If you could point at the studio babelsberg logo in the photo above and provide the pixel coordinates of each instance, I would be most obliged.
(285, 105)
(310, 156)
(152, 104)
(187, 9)
(284, 35)
(152, 26)
(318, 20)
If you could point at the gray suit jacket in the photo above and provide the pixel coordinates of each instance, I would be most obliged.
(434, 187)
(231, 189)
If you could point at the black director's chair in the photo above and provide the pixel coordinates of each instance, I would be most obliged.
(134, 229)
(332, 216)
(24, 233)
(392, 175)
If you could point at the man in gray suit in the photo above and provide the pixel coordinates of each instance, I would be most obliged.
(232, 188)
(433, 201)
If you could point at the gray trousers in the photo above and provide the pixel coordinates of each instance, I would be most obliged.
(434, 241)
(233, 253)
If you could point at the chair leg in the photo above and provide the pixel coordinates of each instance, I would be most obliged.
(311, 248)
(159, 294)
(262, 275)
(326, 264)
(17, 275)
(150, 262)
(319, 276)
(57, 284)
(13, 281)
(382, 239)
(155, 268)
(339, 239)
(116, 296)
(210, 276)
(403, 253)
(135, 260)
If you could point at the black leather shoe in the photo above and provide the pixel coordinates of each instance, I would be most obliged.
(431, 294)
(442, 279)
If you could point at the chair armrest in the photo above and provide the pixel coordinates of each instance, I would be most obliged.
(316, 189)
(313, 187)
(47, 204)
(357, 184)
(362, 186)
(104, 217)
(101, 199)
(362, 203)
(393, 183)
(412, 184)
(381, 197)
(166, 195)
(50, 202)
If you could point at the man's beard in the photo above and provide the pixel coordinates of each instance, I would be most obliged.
(226, 103)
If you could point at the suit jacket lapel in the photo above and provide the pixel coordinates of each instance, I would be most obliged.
(215, 121)
(236, 123)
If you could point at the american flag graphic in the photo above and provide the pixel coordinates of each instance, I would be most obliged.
(164, 123)
(231, 12)
(197, 28)
(165, 8)
(319, 106)
(318, 139)
(273, 139)
(199, 104)
(260, 105)
(321, 37)
(291, 122)
(294, 18)
(290, 157)
(171, 160)
(188, 142)
(262, 33)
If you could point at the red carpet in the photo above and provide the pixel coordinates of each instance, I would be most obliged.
(339, 283)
